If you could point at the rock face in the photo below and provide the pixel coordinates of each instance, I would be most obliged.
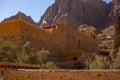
(76, 12)
(109, 31)
(22, 16)
(107, 38)
(86, 28)
(116, 7)
(107, 35)
(114, 10)
(116, 4)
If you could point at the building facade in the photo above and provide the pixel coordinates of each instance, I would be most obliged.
(58, 38)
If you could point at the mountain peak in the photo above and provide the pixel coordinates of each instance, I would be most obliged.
(20, 16)
(76, 12)
(19, 13)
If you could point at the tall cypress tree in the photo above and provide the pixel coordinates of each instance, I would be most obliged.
(117, 33)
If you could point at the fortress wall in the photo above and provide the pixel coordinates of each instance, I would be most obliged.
(11, 27)
(22, 74)
(70, 36)
(62, 38)
(76, 40)
(41, 38)
(56, 40)
(89, 45)
(9, 31)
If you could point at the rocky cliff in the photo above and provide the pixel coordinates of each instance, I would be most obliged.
(76, 12)
(114, 10)
(22, 16)
(116, 7)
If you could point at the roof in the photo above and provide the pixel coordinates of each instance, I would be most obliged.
(49, 27)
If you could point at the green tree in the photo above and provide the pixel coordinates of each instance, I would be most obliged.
(26, 48)
(7, 52)
(22, 58)
(26, 55)
(33, 59)
(41, 56)
(117, 33)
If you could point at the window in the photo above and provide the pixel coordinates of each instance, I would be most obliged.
(75, 58)
(12, 36)
(25, 29)
(2, 73)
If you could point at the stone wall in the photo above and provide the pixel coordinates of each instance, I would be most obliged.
(9, 31)
(55, 39)
(40, 38)
(29, 74)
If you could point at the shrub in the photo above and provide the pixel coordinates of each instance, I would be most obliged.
(101, 62)
(49, 65)
(8, 53)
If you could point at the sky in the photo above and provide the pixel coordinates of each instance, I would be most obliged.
(33, 8)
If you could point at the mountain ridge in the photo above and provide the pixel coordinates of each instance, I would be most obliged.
(74, 13)
(22, 16)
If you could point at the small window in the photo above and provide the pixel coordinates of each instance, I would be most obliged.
(25, 29)
(2, 73)
(75, 58)
(12, 36)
